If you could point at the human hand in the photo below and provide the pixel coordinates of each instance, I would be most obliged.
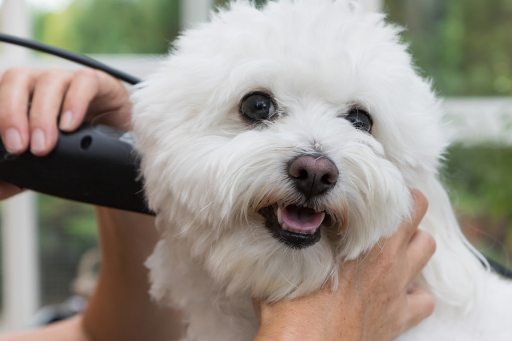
(375, 299)
(56, 96)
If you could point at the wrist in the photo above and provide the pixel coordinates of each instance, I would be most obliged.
(292, 321)
(321, 316)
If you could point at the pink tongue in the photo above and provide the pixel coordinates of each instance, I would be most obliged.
(302, 219)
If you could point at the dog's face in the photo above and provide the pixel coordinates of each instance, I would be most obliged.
(278, 142)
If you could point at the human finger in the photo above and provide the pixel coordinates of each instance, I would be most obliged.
(419, 251)
(420, 207)
(16, 87)
(256, 305)
(410, 226)
(49, 92)
(421, 305)
(94, 93)
(112, 97)
(84, 87)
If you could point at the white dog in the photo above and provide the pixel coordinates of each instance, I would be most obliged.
(278, 142)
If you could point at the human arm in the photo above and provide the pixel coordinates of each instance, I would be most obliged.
(120, 307)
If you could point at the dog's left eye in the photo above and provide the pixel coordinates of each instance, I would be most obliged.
(257, 106)
(360, 119)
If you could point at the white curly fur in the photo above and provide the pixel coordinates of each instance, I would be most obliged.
(207, 171)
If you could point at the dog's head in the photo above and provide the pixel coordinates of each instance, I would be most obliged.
(278, 142)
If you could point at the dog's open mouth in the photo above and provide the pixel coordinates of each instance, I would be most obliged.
(296, 226)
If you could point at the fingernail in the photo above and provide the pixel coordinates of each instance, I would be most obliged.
(12, 140)
(37, 142)
(65, 120)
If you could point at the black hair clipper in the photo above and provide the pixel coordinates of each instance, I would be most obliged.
(96, 164)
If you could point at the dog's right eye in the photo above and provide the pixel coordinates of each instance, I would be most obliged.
(257, 106)
(360, 119)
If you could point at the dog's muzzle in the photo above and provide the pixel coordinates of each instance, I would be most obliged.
(298, 226)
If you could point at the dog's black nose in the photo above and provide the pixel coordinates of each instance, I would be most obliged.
(313, 175)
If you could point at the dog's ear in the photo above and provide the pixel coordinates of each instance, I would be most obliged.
(456, 271)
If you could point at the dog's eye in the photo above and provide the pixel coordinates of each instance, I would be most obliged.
(360, 119)
(257, 106)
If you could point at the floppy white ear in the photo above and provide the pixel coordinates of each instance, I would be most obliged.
(455, 272)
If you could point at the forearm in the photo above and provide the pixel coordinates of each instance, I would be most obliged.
(121, 308)
(68, 330)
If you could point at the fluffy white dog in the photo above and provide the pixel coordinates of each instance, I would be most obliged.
(277, 143)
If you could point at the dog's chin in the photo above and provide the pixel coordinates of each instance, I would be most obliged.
(295, 226)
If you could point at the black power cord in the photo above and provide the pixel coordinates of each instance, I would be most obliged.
(74, 57)
(498, 268)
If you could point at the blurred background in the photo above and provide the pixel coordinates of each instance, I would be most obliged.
(463, 46)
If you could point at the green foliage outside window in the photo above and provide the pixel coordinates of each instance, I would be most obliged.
(465, 46)
(111, 26)
(479, 179)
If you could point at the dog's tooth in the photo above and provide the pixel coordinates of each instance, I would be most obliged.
(322, 220)
(285, 227)
(279, 216)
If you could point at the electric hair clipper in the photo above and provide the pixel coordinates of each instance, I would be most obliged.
(96, 164)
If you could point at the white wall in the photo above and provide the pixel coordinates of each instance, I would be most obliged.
(19, 223)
